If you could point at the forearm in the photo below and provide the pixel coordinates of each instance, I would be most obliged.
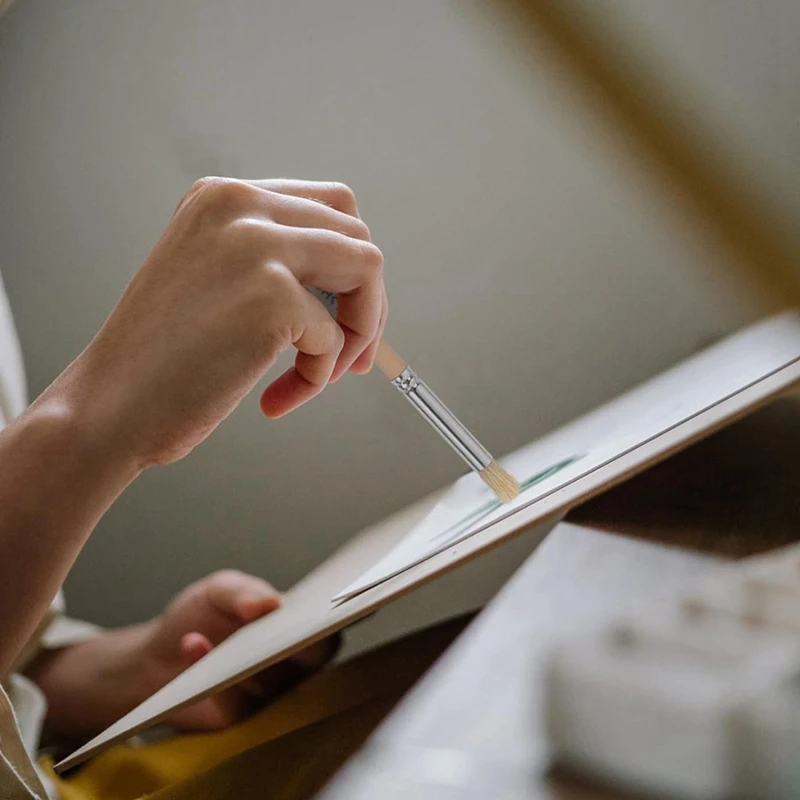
(59, 472)
(92, 684)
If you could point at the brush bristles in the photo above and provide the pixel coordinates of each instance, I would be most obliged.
(502, 483)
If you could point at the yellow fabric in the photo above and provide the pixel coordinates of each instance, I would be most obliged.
(325, 718)
(294, 767)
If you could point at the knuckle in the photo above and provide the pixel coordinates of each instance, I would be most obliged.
(224, 577)
(203, 183)
(234, 194)
(360, 230)
(197, 190)
(341, 193)
(248, 233)
(279, 292)
(372, 256)
(225, 194)
(337, 337)
(278, 278)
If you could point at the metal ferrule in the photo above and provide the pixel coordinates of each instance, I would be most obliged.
(441, 418)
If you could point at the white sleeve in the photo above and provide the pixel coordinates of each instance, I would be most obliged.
(55, 631)
(13, 392)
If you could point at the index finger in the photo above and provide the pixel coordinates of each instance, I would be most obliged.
(362, 311)
(330, 193)
(359, 317)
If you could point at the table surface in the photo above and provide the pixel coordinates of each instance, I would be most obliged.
(473, 726)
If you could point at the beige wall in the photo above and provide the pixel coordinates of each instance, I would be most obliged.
(533, 273)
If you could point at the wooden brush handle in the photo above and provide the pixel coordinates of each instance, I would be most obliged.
(389, 361)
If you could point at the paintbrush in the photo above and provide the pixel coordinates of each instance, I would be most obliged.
(396, 369)
(450, 428)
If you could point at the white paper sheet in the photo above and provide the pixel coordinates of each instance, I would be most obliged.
(550, 464)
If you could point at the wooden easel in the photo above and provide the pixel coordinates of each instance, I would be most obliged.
(732, 495)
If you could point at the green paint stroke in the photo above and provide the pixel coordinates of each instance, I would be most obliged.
(493, 504)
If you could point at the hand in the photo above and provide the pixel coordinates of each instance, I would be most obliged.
(219, 297)
(204, 615)
(92, 684)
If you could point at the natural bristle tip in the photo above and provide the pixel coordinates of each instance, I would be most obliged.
(502, 483)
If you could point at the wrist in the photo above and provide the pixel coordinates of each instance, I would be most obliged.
(91, 684)
(59, 473)
(81, 421)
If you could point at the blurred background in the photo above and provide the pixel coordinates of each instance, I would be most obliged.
(535, 269)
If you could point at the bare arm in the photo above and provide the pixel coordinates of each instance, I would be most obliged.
(58, 476)
(220, 296)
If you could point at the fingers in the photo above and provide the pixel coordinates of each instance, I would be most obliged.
(319, 344)
(219, 605)
(314, 230)
(353, 269)
(193, 646)
(215, 713)
(331, 261)
(359, 316)
(363, 312)
(241, 596)
(363, 364)
(330, 193)
(318, 654)
(300, 212)
(276, 679)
